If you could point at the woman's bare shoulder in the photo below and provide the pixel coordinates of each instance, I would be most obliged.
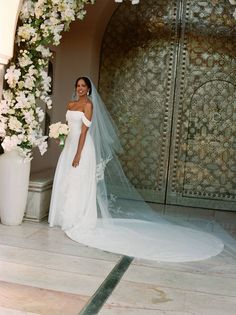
(70, 105)
(88, 105)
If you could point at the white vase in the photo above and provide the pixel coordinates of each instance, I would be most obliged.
(14, 182)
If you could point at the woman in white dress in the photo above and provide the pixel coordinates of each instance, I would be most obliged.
(73, 199)
(94, 203)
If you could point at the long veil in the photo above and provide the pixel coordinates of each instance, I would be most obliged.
(126, 224)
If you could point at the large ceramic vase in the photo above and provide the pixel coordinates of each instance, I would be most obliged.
(14, 182)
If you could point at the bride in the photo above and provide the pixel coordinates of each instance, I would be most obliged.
(95, 204)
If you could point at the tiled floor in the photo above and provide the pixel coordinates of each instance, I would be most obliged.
(44, 272)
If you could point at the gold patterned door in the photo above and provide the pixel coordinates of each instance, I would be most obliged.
(167, 76)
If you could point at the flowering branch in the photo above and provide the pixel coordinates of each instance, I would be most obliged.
(41, 24)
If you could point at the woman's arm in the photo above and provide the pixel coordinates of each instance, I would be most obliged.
(88, 111)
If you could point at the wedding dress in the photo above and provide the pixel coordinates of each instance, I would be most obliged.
(73, 201)
(96, 205)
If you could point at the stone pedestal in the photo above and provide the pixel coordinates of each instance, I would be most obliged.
(39, 195)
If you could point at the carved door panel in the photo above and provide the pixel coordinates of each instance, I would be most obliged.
(167, 77)
(202, 168)
(137, 77)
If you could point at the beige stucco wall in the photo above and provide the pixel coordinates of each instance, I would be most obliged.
(78, 54)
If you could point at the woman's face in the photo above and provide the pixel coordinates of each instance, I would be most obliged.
(82, 88)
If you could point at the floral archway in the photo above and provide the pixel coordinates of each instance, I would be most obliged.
(41, 24)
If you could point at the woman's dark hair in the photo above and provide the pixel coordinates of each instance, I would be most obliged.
(87, 82)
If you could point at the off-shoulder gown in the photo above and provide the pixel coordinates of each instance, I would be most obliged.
(73, 201)
(74, 208)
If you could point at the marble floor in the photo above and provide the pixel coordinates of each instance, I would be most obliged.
(43, 272)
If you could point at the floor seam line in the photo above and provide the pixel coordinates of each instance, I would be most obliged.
(98, 299)
(58, 253)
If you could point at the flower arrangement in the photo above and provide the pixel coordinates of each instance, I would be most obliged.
(59, 131)
(41, 23)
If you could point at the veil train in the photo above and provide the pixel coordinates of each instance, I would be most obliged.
(126, 223)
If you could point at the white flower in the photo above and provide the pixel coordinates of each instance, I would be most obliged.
(24, 61)
(56, 39)
(8, 95)
(54, 20)
(22, 101)
(29, 83)
(32, 72)
(12, 76)
(30, 78)
(46, 29)
(40, 8)
(42, 62)
(40, 114)
(40, 142)
(68, 14)
(43, 145)
(45, 51)
(48, 101)
(32, 136)
(58, 129)
(81, 14)
(64, 129)
(232, 2)
(3, 119)
(46, 81)
(38, 12)
(14, 124)
(26, 31)
(27, 9)
(31, 98)
(4, 107)
(10, 143)
(21, 85)
(35, 38)
(29, 116)
(56, 32)
(11, 111)
(2, 129)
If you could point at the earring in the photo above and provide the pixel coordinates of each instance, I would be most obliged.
(88, 93)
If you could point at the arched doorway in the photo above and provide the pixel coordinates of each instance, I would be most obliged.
(167, 76)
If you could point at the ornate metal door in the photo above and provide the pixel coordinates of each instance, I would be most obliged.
(168, 78)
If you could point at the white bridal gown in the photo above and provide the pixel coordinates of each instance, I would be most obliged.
(74, 208)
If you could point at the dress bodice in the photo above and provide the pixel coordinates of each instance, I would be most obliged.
(75, 120)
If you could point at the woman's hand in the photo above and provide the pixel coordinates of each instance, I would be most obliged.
(76, 160)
